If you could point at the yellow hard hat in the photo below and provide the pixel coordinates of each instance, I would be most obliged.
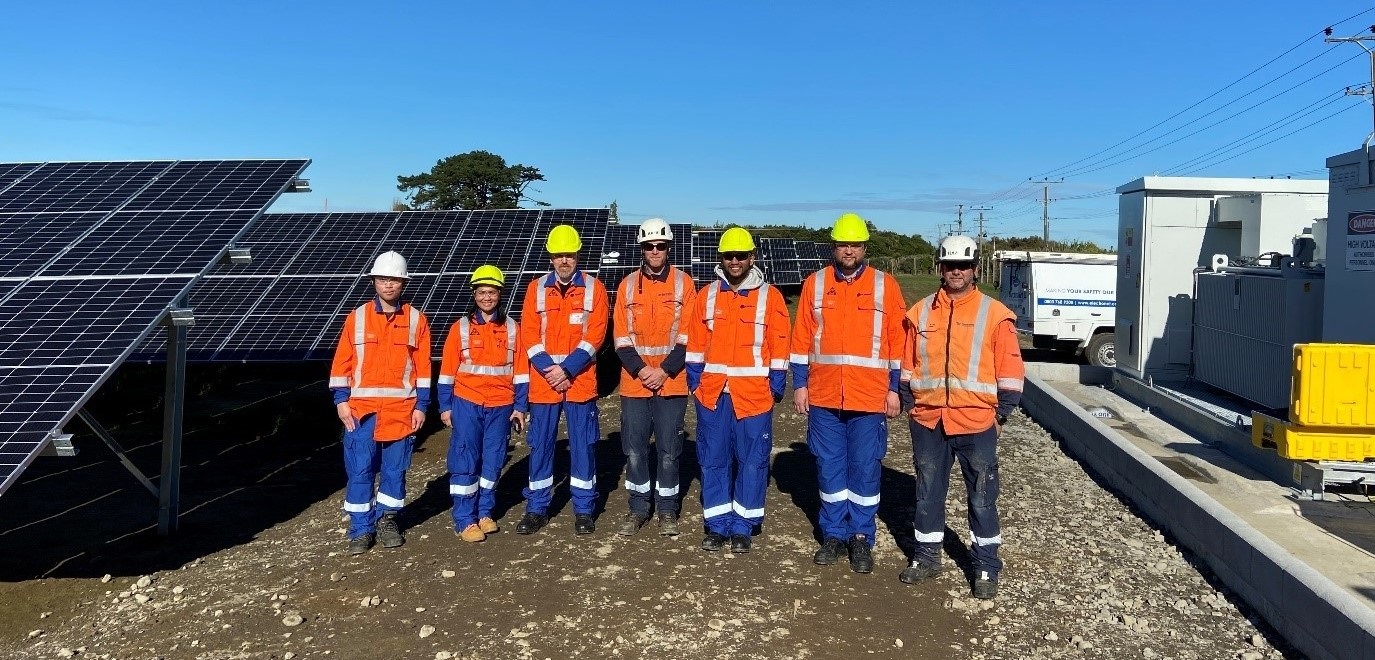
(736, 239)
(850, 228)
(488, 275)
(563, 239)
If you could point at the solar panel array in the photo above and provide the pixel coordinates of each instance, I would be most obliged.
(93, 255)
(308, 272)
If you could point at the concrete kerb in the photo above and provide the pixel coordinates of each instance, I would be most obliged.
(1315, 615)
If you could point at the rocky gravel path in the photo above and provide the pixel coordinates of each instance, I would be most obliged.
(1085, 578)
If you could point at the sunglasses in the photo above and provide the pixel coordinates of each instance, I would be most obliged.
(736, 256)
(958, 265)
(654, 247)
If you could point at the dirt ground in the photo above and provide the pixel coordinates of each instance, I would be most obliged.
(258, 569)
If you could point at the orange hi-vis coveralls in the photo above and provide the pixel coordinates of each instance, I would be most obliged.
(382, 369)
(847, 351)
(650, 332)
(565, 325)
(483, 377)
(965, 370)
(737, 364)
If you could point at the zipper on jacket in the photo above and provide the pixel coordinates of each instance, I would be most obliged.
(949, 326)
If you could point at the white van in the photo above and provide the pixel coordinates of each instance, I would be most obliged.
(1065, 301)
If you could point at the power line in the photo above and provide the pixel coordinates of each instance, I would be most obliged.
(1123, 158)
(1265, 144)
(1209, 97)
(1259, 133)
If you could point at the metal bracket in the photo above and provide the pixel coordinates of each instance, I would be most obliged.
(298, 186)
(238, 256)
(115, 447)
(59, 444)
(180, 316)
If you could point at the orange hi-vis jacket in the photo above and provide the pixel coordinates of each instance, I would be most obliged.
(738, 336)
(480, 362)
(957, 355)
(383, 359)
(847, 341)
(649, 319)
(564, 326)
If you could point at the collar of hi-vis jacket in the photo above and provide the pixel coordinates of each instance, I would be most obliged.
(657, 277)
(841, 278)
(377, 305)
(942, 298)
(552, 279)
(753, 280)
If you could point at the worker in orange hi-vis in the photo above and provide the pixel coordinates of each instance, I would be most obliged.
(380, 379)
(846, 365)
(737, 366)
(484, 391)
(964, 366)
(651, 341)
(563, 325)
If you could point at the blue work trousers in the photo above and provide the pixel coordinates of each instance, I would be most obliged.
(584, 431)
(934, 453)
(364, 460)
(849, 447)
(734, 455)
(477, 452)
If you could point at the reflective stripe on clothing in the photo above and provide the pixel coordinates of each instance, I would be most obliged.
(568, 325)
(483, 361)
(847, 340)
(383, 360)
(649, 319)
(739, 337)
(961, 352)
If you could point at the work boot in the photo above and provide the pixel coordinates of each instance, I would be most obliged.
(713, 541)
(668, 524)
(829, 552)
(583, 524)
(472, 534)
(360, 544)
(531, 523)
(918, 571)
(985, 586)
(740, 543)
(631, 524)
(488, 526)
(388, 533)
(861, 558)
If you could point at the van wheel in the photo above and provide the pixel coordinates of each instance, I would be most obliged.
(1101, 350)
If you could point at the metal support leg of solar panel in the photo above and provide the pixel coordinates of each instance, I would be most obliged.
(168, 488)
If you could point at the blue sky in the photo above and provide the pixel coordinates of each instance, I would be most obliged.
(753, 112)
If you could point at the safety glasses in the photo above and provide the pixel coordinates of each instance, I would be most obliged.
(654, 247)
(957, 265)
(736, 256)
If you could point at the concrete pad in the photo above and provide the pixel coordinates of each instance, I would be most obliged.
(1312, 585)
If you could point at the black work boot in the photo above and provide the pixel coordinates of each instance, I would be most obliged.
(861, 558)
(740, 543)
(919, 571)
(531, 523)
(360, 544)
(388, 533)
(713, 541)
(668, 524)
(583, 523)
(829, 552)
(631, 524)
(985, 585)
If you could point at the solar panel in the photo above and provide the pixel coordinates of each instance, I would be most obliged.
(97, 253)
(781, 256)
(312, 273)
(623, 247)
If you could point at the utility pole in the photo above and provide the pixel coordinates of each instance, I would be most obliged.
(959, 219)
(979, 238)
(1045, 208)
(1363, 90)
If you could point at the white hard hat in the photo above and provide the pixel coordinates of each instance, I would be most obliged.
(958, 248)
(655, 229)
(390, 264)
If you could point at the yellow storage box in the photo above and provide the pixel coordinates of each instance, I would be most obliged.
(1333, 386)
(1308, 443)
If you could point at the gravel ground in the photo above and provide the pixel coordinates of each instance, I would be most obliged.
(1085, 576)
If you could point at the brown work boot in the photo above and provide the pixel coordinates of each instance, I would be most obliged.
(472, 534)
(488, 526)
